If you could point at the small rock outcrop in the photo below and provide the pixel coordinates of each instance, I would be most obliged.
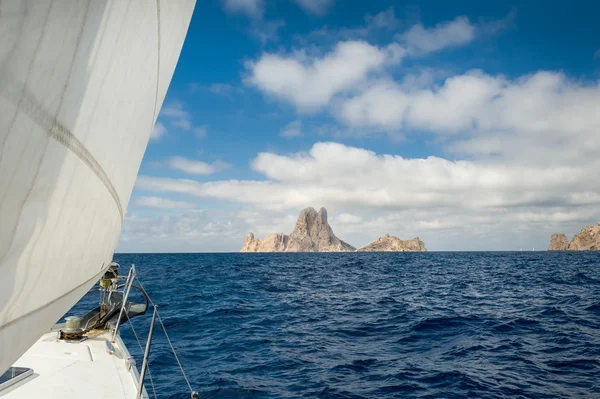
(274, 242)
(588, 239)
(558, 242)
(312, 233)
(389, 243)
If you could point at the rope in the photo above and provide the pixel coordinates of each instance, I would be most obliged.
(142, 351)
(192, 392)
(175, 354)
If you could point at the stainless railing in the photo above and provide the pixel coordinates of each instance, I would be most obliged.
(145, 366)
(128, 284)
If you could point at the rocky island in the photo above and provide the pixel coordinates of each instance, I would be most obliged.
(313, 233)
(389, 243)
(588, 239)
(558, 242)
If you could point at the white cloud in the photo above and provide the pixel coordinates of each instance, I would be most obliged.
(177, 117)
(337, 174)
(198, 231)
(447, 109)
(163, 203)
(174, 110)
(316, 7)
(175, 114)
(419, 39)
(347, 218)
(251, 8)
(292, 129)
(158, 131)
(197, 167)
(597, 53)
(453, 204)
(310, 82)
(524, 149)
(491, 115)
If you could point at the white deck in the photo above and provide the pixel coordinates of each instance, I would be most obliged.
(92, 369)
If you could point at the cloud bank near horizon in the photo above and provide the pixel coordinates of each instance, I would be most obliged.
(517, 158)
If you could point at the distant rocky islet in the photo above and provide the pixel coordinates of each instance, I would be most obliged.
(389, 243)
(588, 239)
(312, 233)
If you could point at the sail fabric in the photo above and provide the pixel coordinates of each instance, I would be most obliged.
(81, 85)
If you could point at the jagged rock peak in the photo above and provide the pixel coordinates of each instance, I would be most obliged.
(588, 239)
(323, 215)
(389, 243)
(558, 242)
(312, 233)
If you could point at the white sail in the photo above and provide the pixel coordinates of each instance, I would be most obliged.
(81, 85)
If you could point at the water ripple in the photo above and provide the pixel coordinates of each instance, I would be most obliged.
(423, 325)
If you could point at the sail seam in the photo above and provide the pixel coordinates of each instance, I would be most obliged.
(64, 136)
(157, 64)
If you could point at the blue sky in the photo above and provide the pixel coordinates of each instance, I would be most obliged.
(471, 124)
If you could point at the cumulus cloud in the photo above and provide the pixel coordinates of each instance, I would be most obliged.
(158, 131)
(516, 165)
(378, 193)
(310, 82)
(337, 174)
(292, 129)
(197, 167)
(419, 39)
(163, 203)
(491, 115)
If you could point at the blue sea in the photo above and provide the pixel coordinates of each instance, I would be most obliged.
(374, 325)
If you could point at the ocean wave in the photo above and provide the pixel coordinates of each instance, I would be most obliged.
(490, 325)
